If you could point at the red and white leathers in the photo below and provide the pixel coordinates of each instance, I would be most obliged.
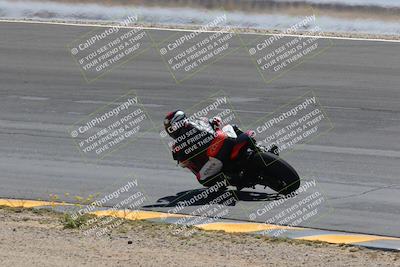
(213, 148)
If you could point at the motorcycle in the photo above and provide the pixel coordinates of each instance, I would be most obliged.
(258, 166)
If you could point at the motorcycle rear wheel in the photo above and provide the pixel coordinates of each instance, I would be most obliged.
(275, 173)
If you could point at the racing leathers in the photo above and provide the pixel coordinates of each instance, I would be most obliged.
(203, 148)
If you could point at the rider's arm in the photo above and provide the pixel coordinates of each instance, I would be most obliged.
(177, 156)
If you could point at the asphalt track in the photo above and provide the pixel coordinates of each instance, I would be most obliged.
(356, 164)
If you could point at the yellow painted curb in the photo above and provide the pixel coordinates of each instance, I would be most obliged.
(243, 227)
(137, 214)
(345, 239)
(20, 203)
(229, 227)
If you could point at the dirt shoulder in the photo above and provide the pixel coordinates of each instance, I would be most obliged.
(38, 238)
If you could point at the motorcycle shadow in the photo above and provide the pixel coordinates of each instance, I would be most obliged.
(188, 196)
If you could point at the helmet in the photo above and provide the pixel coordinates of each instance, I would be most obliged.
(216, 122)
(173, 123)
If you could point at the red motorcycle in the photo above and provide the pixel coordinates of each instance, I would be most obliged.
(256, 165)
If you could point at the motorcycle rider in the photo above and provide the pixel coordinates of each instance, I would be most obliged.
(212, 148)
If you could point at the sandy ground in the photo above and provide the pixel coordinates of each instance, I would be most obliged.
(32, 238)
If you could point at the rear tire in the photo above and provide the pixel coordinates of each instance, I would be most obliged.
(276, 173)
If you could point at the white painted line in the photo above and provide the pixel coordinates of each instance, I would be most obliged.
(34, 98)
(152, 105)
(248, 111)
(271, 112)
(332, 107)
(91, 102)
(352, 151)
(188, 30)
(113, 103)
